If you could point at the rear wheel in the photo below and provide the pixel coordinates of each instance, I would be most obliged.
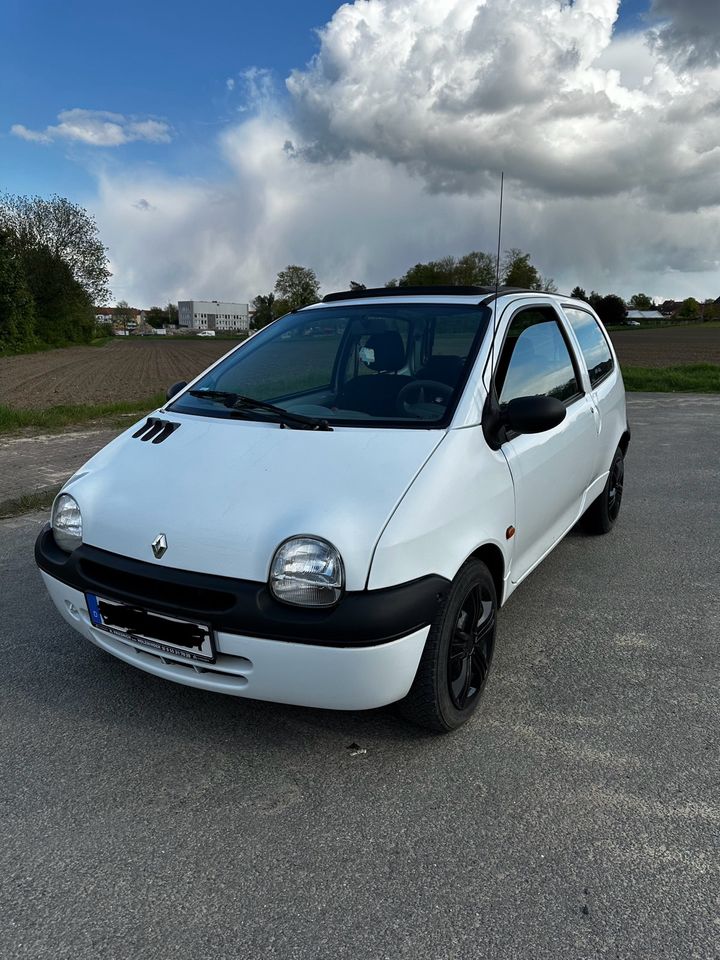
(458, 654)
(601, 515)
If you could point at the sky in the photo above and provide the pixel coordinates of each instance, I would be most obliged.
(216, 143)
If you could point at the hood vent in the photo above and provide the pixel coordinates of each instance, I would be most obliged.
(156, 430)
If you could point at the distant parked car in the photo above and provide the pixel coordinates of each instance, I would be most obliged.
(206, 333)
(632, 323)
(406, 474)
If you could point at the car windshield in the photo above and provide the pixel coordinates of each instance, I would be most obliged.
(398, 364)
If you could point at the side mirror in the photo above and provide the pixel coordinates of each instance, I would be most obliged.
(533, 414)
(175, 389)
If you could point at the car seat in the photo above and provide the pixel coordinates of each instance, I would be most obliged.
(376, 393)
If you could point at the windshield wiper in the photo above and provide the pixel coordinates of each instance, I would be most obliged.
(236, 401)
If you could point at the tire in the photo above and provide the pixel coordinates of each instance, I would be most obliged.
(602, 514)
(456, 661)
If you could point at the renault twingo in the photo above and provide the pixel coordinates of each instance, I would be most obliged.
(333, 513)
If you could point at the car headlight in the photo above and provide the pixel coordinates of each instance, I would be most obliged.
(307, 572)
(67, 523)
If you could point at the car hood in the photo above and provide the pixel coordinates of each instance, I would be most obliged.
(226, 492)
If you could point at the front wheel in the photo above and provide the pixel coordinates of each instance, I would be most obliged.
(602, 513)
(458, 653)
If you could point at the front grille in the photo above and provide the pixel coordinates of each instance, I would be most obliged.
(228, 674)
(150, 591)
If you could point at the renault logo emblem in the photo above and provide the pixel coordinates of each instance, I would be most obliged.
(159, 545)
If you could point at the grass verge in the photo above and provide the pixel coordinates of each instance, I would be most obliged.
(693, 378)
(55, 418)
(29, 502)
(40, 347)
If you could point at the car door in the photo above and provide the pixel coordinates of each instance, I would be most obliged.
(550, 470)
(607, 394)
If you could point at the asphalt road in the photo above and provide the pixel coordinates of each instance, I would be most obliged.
(576, 817)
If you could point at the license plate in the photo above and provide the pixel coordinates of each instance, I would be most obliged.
(171, 635)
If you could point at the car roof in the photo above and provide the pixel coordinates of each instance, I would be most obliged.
(479, 296)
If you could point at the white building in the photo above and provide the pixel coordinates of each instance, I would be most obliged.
(645, 315)
(213, 315)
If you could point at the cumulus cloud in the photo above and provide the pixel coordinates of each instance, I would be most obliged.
(367, 219)
(97, 128)
(690, 35)
(460, 90)
(390, 150)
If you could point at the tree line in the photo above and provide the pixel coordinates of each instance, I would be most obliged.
(53, 270)
(298, 287)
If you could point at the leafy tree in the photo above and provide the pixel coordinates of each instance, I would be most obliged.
(171, 311)
(124, 313)
(611, 309)
(595, 299)
(474, 269)
(710, 310)
(689, 309)
(641, 301)
(156, 317)
(67, 231)
(264, 311)
(17, 310)
(517, 271)
(63, 310)
(579, 294)
(432, 274)
(357, 286)
(299, 286)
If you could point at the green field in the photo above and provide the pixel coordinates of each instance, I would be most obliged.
(59, 417)
(693, 378)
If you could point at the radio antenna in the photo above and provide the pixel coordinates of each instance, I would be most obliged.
(492, 417)
(493, 390)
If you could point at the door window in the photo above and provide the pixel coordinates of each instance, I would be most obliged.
(535, 359)
(593, 344)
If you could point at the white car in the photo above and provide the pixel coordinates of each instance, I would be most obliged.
(206, 333)
(333, 513)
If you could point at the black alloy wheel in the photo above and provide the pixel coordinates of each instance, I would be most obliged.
(602, 514)
(458, 653)
(615, 487)
(471, 647)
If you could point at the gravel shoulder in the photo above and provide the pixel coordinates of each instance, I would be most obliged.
(34, 463)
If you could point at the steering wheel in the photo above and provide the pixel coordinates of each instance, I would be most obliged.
(427, 394)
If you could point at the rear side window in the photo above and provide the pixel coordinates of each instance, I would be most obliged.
(593, 344)
(535, 359)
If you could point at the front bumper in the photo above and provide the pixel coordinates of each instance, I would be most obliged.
(336, 678)
(360, 657)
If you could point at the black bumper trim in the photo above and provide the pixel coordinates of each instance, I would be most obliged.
(361, 619)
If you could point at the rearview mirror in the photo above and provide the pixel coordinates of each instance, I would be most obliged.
(175, 389)
(533, 414)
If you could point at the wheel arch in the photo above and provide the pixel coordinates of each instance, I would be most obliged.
(492, 556)
(624, 442)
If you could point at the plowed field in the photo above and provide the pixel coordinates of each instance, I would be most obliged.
(123, 370)
(667, 346)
